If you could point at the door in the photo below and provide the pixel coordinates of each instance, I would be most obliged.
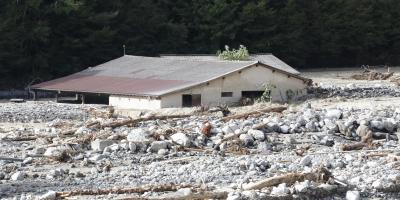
(189, 100)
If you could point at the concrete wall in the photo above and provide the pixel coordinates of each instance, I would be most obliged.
(130, 102)
(253, 78)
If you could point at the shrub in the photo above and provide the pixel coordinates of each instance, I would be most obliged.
(235, 54)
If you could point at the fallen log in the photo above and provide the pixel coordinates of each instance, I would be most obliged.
(319, 175)
(129, 121)
(132, 121)
(247, 114)
(353, 146)
(11, 159)
(141, 190)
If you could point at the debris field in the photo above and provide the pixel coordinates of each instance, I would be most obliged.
(341, 142)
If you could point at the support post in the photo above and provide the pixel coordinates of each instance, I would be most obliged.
(83, 98)
(56, 97)
(34, 95)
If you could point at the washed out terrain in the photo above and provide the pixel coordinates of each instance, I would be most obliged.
(341, 141)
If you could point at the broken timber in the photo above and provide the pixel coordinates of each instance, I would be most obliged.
(320, 175)
(247, 114)
(141, 190)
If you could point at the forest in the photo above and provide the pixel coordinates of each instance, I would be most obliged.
(46, 39)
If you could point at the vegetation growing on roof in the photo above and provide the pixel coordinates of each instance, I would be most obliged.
(235, 54)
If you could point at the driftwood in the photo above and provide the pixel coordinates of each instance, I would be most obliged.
(11, 159)
(353, 146)
(319, 175)
(141, 190)
(199, 195)
(129, 121)
(247, 114)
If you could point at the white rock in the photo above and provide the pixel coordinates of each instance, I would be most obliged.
(181, 139)
(230, 128)
(257, 134)
(352, 195)
(97, 157)
(99, 145)
(138, 135)
(18, 176)
(54, 151)
(306, 160)
(50, 195)
(247, 139)
(184, 191)
(132, 146)
(377, 184)
(28, 160)
(284, 129)
(282, 189)
(303, 186)
(333, 114)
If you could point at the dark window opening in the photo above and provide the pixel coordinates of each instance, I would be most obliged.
(189, 100)
(252, 94)
(249, 97)
(226, 94)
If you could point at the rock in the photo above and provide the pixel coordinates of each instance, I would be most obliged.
(97, 157)
(352, 195)
(28, 160)
(284, 129)
(158, 145)
(377, 184)
(184, 191)
(303, 186)
(233, 196)
(311, 127)
(389, 125)
(282, 189)
(162, 152)
(257, 134)
(82, 130)
(362, 130)
(50, 195)
(18, 176)
(56, 152)
(333, 114)
(132, 146)
(246, 139)
(99, 144)
(181, 139)
(375, 124)
(230, 128)
(138, 135)
(306, 160)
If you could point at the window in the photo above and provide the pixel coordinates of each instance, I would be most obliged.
(226, 94)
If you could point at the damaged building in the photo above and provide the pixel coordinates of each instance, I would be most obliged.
(137, 82)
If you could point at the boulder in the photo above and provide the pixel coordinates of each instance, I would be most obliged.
(257, 134)
(158, 145)
(99, 144)
(138, 135)
(50, 195)
(18, 176)
(282, 189)
(181, 138)
(352, 195)
(333, 114)
(246, 139)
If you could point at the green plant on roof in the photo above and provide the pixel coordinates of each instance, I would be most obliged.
(235, 54)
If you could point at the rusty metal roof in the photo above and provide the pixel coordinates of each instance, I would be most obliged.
(144, 76)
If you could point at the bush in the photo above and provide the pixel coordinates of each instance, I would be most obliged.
(235, 54)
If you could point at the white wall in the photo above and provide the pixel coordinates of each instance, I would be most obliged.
(131, 102)
(252, 78)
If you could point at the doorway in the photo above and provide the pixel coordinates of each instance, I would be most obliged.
(189, 100)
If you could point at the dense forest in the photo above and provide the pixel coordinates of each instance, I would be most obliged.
(44, 39)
